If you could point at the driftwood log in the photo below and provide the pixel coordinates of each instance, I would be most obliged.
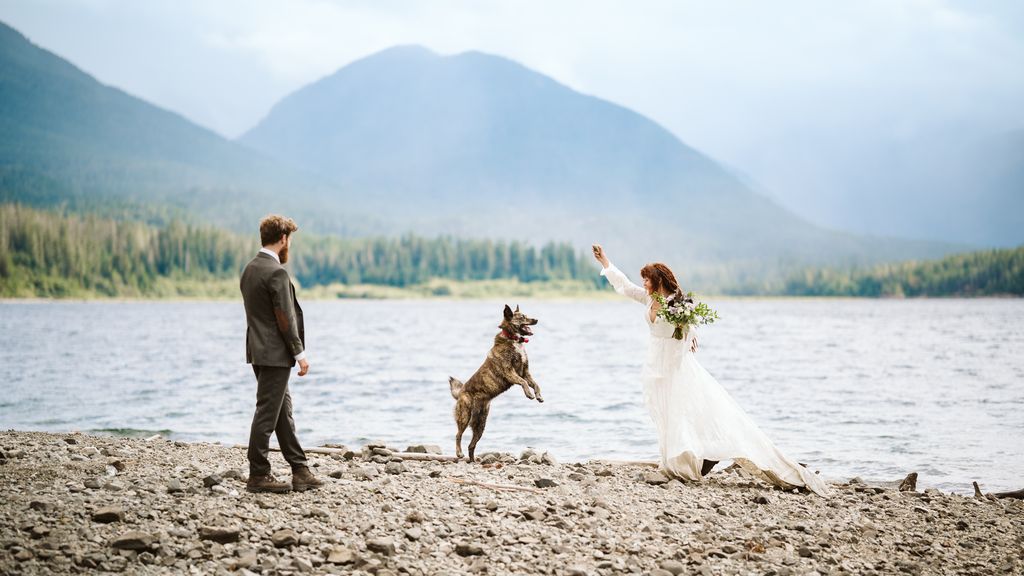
(1018, 494)
(403, 455)
(629, 463)
(499, 487)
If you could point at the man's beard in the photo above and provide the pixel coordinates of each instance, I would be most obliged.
(283, 255)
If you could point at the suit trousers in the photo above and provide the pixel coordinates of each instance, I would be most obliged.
(273, 416)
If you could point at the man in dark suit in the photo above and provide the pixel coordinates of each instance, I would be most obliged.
(274, 342)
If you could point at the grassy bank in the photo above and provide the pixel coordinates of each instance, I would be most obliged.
(227, 289)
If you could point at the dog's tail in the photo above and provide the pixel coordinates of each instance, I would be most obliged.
(456, 386)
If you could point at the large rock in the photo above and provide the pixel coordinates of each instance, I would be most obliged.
(285, 538)
(655, 478)
(246, 558)
(133, 540)
(341, 555)
(41, 505)
(222, 534)
(909, 483)
(365, 473)
(385, 546)
(424, 449)
(673, 567)
(108, 514)
(231, 473)
(468, 549)
(534, 513)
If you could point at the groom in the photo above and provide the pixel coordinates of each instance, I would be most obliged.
(274, 342)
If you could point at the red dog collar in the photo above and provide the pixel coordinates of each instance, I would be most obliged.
(513, 338)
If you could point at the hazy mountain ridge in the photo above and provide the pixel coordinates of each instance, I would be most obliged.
(517, 156)
(427, 138)
(407, 122)
(969, 189)
(68, 139)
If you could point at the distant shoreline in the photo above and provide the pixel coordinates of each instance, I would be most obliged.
(596, 296)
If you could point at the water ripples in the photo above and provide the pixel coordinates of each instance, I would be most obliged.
(853, 387)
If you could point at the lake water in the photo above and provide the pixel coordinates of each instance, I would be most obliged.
(871, 388)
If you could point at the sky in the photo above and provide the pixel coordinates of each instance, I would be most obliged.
(812, 101)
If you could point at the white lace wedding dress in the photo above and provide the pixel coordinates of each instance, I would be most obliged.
(696, 418)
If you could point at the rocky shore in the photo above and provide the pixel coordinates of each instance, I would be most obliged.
(74, 503)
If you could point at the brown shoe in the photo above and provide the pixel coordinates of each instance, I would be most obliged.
(303, 479)
(266, 483)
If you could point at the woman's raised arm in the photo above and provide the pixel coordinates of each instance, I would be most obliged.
(618, 280)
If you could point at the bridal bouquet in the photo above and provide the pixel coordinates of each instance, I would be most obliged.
(681, 310)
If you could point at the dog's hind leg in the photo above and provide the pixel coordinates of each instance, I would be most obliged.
(478, 422)
(462, 416)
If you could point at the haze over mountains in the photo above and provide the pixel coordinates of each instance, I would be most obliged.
(69, 140)
(478, 144)
(972, 191)
(407, 140)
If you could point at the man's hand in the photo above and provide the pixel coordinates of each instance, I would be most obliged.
(303, 367)
(693, 347)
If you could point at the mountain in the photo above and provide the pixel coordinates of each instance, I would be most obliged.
(478, 144)
(67, 139)
(407, 140)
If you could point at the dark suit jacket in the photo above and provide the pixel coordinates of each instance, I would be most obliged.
(275, 333)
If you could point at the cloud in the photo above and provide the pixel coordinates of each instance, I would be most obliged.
(802, 95)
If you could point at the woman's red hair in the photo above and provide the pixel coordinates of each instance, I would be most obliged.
(660, 277)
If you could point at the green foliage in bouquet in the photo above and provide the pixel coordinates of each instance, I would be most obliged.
(681, 310)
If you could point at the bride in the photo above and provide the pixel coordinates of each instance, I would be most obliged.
(698, 423)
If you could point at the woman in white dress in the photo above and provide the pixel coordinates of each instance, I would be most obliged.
(698, 423)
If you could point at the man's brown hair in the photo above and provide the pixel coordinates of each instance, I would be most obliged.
(660, 277)
(273, 227)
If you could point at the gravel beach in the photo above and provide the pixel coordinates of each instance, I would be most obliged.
(74, 503)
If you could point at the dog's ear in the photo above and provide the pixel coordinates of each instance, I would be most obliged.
(517, 307)
(508, 312)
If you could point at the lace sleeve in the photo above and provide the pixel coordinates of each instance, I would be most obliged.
(623, 286)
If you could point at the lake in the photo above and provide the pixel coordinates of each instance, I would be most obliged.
(870, 388)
